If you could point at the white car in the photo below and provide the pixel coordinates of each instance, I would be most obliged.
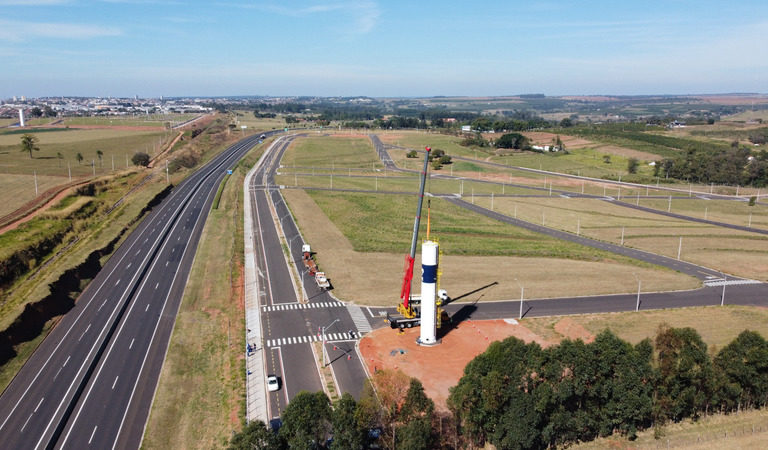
(273, 383)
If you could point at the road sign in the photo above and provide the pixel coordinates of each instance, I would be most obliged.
(229, 172)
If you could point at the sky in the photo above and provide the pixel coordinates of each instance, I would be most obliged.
(392, 48)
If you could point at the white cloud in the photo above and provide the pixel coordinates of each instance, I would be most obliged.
(19, 31)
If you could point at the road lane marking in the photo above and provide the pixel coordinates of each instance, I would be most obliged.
(158, 284)
(166, 263)
(86, 330)
(57, 373)
(131, 344)
(38, 404)
(26, 422)
(102, 305)
(118, 282)
(147, 308)
(115, 382)
(65, 362)
(128, 266)
(92, 433)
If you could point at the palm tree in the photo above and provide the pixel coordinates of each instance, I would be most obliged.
(79, 158)
(99, 153)
(28, 144)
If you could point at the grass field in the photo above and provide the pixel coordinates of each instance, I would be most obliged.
(332, 152)
(19, 189)
(739, 253)
(373, 277)
(151, 120)
(201, 393)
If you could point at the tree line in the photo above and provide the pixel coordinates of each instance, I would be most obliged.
(522, 396)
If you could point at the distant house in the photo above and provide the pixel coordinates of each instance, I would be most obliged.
(466, 129)
(546, 148)
(449, 120)
(676, 124)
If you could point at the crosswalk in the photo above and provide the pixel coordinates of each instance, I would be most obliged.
(329, 337)
(358, 317)
(289, 306)
(721, 282)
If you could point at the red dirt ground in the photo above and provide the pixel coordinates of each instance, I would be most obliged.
(441, 366)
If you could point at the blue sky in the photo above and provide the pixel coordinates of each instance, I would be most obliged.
(381, 48)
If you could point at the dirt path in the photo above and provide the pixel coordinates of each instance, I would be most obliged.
(30, 210)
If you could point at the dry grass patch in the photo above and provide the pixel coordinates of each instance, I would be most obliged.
(736, 252)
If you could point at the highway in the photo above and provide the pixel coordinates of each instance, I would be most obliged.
(91, 381)
(293, 316)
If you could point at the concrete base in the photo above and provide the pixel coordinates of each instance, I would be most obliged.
(425, 344)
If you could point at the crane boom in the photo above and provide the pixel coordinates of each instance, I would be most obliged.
(405, 292)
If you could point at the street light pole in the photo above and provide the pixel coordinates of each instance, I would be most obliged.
(637, 304)
(522, 293)
(722, 297)
(324, 328)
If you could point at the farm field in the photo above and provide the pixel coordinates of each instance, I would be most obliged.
(19, 189)
(739, 253)
(151, 120)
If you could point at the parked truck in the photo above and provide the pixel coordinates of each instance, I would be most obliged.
(311, 266)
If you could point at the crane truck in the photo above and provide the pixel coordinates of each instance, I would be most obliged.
(408, 311)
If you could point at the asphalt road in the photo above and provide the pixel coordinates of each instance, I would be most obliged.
(91, 381)
(294, 316)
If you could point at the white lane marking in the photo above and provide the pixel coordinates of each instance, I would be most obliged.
(369, 312)
(86, 330)
(137, 253)
(26, 422)
(57, 373)
(131, 344)
(128, 266)
(65, 362)
(118, 282)
(38, 404)
(115, 382)
(147, 308)
(102, 305)
(158, 284)
(92, 433)
(166, 263)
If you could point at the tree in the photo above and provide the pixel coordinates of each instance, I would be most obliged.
(48, 111)
(257, 436)
(29, 144)
(513, 140)
(36, 112)
(140, 159)
(685, 375)
(99, 154)
(632, 164)
(566, 122)
(79, 158)
(347, 432)
(412, 154)
(307, 420)
(445, 159)
(607, 159)
(416, 417)
(744, 364)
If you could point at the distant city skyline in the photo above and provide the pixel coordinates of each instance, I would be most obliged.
(148, 48)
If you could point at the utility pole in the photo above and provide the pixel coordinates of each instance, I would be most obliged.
(35, 172)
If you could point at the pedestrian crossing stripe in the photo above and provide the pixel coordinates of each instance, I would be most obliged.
(721, 282)
(329, 337)
(290, 306)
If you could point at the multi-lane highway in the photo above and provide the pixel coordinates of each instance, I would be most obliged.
(90, 383)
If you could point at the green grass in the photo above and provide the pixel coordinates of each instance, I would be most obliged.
(332, 152)
(20, 189)
(151, 120)
(383, 223)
